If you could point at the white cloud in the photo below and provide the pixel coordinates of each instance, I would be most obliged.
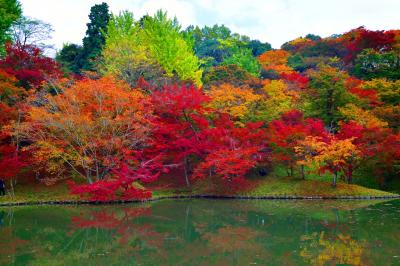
(275, 21)
(183, 10)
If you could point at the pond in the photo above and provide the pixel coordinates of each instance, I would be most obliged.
(204, 232)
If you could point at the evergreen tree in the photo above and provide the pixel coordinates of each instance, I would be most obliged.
(70, 58)
(95, 35)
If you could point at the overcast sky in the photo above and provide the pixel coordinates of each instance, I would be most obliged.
(274, 21)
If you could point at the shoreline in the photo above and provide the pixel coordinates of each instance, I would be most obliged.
(216, 197)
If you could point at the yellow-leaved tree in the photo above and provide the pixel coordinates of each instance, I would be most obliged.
(153, 48)
(278, 99)
(238, 102)
(363, 117)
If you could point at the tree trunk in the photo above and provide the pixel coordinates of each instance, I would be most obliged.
(330, 108)
(350, 175)
(334, 179)
(89, 177)
(97, 171)
(186, 172)
(303, 174)
(37, 177)
(12, 188)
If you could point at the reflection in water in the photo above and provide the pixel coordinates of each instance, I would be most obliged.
(2, 215)
(203, 232)
(339, 249)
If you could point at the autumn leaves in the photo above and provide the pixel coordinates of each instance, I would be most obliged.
(162, 102)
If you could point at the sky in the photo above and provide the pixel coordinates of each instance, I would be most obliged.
(273, 21)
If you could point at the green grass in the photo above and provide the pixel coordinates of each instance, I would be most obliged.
(277, 183)
(285, 186)
(38, 192)
(270, 186)
(297, 187)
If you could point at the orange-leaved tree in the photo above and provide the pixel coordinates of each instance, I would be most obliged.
(11, 103)
(335, 155)
(275, 60)
(89, 130)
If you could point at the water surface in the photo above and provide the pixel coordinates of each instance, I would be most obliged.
(204, 232)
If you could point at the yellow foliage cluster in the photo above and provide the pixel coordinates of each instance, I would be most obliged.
(279, 99)
(334, 153)
(342, 250)
(361, 116)
(337, 152)
(238, 102)
(308, 148)
(243, 103)
(300, 41)
(386, 89)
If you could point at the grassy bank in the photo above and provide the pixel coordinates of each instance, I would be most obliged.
(39, 192)
(286, 186)
(269, 187)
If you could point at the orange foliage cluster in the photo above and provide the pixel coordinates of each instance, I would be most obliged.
(275, 60)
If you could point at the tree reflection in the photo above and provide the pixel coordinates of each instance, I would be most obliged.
(122, 225)
(231, 239)
(201, 232)
(9, 243)
(318, 249)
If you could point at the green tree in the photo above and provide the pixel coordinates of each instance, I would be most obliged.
(153, 48)
(170, 49)
(69, 57)
(243, 58)
(231, 74)
(327, 94)
(125, 55)
(258, 47)
(370, 64)
(210, 44)
(95, 35)
(206, 43)
(10, 11)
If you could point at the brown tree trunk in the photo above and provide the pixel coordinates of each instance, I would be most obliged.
(350, 175)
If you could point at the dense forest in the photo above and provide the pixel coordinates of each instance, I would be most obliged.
(143, 100)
